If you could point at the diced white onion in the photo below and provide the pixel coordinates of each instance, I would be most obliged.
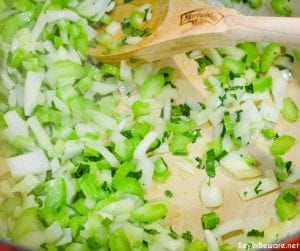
(258, 188)
(53, 233)
(26, 185)
(67, 237)
(235, 164)
(211, 240)
(116, 208)
(16, 125)
(144, 145)
(103, 88)
(28, 163)
(104, 152)
(147, 167)
(125, 71)
(113, 28)
(211, 194)
(269, 113)
(279, 86)
(104, 120)
(72, 148)
(167, 109)
(228, 227)
(41, 136)
(133, 40)
(33, 83)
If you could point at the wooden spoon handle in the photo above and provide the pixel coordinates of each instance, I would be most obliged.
(285, 30)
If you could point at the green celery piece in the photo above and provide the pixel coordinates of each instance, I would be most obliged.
(81, 108)
(67, 69)
(90, 187)
(75, 247)
(228, 124)
(150, 212)
(168, 73)
(108, 104)
(122, 172)
(178, 145)
(82, 43)
(126, 150)
(8, 28)
(234, 66)
(110, 70)
(140, 129)
(76, 223)
(3, 5)
(27, 222)
(216, 145)
(197, 245)
(282, 144)
(269, 133)
(123, 183)
(22, 5)
(152, 85)
(48, 216)
(66, 93)
(270, 53)
(255, 4)
(97, 229)
(56, 194)
(281, 7)
(290, 111)
(251, 51)
(210, 220)
(80, 206)
(132, 186)
(226, 247)
(118, 241)
(181, 126)
(161, 171)
(285, 204)
(262, 84)
(140, 108)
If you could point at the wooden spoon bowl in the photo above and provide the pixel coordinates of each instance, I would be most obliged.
(180, 26)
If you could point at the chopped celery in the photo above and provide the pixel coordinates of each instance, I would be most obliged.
(118, 241)
(179, 126)
(270, 53)
(269, 133)
(210, 220)
(3, 5)
(233, 66)
(197, 245)
(282, 144)
(226, 247)
(262, 84)
(285, 204)
(152, 85)
(110, 70)
(178, 145)
(281, 7)
(251, 51)
(289, 110)
(27, 222)
(255, 4)
(56, 194)
(161, 171)
(150, 212)
(140, 108)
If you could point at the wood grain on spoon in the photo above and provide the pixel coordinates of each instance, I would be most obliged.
(180, 26)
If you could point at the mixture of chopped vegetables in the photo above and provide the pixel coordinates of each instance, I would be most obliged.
(85, 142)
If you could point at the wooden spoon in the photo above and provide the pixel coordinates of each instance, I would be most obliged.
(180, 26)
